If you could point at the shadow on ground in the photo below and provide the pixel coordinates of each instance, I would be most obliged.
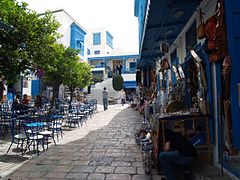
(106, 153)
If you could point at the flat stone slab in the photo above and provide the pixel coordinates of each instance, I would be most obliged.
(104, 169)
(118, 177)
(86, 169)
(95, 176)
(141, 177)
(126, 170)
(76, 175)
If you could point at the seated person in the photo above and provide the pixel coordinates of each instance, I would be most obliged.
(38, 102)
(178, 151)
(16, 103)
(25, 100)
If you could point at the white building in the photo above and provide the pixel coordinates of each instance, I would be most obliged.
(73, 34)
(100, 42)
(104, 57)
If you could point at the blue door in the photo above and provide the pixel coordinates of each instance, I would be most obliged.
(232, 13)
(132, 66)
(35, 88)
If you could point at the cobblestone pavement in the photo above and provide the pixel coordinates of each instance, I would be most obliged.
(103, 148)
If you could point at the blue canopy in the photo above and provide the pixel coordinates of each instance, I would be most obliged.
(130, 84)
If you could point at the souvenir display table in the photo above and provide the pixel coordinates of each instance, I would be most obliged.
(182, 119)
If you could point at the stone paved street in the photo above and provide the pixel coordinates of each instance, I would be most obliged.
(103, 148)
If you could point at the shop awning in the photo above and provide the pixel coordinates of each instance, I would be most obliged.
(130, 84)
(165, 21)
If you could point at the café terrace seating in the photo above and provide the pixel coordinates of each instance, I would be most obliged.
(33, 129)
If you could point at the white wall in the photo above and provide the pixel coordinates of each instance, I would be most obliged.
(129, 77)
(64, 29)
(103, 47)
(66, 20)
(128, 62)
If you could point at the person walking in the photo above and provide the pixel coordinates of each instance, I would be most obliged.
(123, 97)
(105, 98)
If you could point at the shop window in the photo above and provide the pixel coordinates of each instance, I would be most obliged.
(191, 36)
(97, 52)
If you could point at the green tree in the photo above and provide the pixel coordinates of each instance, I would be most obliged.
(26, 45)
(54, 70)
(78, 75)
(64, 68)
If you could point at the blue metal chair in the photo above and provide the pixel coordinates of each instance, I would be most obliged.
(16, 137)
(34, 138)
(56, 125)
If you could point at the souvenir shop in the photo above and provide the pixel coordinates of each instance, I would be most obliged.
(189, 60)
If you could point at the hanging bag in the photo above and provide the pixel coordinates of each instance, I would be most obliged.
(211, 32)
(200, 30)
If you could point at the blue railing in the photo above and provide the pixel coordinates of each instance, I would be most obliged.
(99, 65)
(124, 70)
(129, 70)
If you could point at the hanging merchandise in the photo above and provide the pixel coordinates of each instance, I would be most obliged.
(221, 31)
(200, 30)
(164, 64)
(164, 47)
(211, 31)
(226, 77)
(138, 76)
(214, 56)
(216, 34)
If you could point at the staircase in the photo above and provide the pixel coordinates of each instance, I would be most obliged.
(96, 91)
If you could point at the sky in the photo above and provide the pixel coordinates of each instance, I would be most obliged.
(117, 16)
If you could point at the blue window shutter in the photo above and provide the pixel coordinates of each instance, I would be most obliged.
(96, 38)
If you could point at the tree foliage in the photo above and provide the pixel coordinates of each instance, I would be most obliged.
(30, 44)
(78, 75)
(64, 68)
(25, 46)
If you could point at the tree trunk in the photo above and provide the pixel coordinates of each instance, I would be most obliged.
(55, 95)
(71, 88)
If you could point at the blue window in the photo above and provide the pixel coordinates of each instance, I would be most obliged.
(88, 52)
(96, 38)
(97, 52)
(80, 46)
(132, 65)
(109, 39)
